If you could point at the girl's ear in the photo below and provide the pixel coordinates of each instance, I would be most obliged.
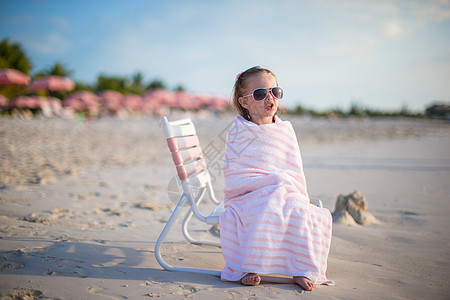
(244, 102)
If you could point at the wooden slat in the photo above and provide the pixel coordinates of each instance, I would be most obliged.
(189, 169)
(176, 144)
(180, 122)
(180, 130)
(182, 156)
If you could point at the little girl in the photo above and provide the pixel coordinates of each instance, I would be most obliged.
(268, 226)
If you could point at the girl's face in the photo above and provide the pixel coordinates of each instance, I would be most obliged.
(261, 112)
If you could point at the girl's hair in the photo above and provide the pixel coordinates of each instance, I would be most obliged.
(240, 87)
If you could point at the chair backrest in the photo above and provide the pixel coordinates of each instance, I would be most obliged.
(186, 152)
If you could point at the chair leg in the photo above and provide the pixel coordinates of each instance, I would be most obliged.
(162, 237)
(188, 217)
(188, 237)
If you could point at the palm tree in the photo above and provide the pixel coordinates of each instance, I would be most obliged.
(180, 88)
(137, 79)
(58, 69)
(106, 82)
(156, 84)
(137, 83)
(13, 57)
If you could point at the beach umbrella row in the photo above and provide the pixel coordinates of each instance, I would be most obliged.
(113, 101)
(184, 100)
(108, 100)
(47, 83)
(149, 102)
(31, 102)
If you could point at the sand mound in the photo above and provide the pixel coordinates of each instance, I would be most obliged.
(352, 209)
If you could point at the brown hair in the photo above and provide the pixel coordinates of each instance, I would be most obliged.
(240, 87)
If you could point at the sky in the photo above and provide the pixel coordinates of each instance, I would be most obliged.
(326, 54)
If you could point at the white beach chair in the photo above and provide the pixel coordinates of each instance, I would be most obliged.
(195, 180)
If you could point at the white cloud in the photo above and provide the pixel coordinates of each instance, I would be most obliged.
(49, 44)
(60, 22)
(394, 28)
(437, 10)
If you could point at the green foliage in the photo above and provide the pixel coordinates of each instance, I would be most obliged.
(115, 83)
(58, 69)
(124, 85)
(180, 88)
(356, 110)
(13, 57)
(156, 84)
(300, 110)
(137, 85)
(137, 79)
(81, 86)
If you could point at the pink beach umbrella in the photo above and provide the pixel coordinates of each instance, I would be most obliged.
(82, 100)
(85, 96)
(30, 102)
(110, 99)
(109, 95)
(13, 77)
(3, 101)
(75, 104)
(160, 96)
(212, 102)
(148, 105)
(201, 100)
(52, 83)
(218, 103)
(154, 100)
(131, 102)
(185, 101)
(152, 96)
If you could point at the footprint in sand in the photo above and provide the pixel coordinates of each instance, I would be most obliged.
(101, 292)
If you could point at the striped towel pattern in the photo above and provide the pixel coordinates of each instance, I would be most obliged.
(268, 226)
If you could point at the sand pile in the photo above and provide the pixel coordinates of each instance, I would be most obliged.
(352, 209)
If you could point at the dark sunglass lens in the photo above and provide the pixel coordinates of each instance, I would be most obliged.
(260, 94)
(277, 92)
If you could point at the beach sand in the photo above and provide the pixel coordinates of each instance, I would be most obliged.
(82, 204)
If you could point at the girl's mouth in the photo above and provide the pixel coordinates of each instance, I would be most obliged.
(270, 106)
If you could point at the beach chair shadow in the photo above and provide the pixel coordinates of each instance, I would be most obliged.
(193, 173)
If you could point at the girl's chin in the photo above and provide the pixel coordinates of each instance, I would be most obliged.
(271, 112)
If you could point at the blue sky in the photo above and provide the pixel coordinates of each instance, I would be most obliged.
(326, 54)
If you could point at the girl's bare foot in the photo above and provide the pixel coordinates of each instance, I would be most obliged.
(305, 283)
(251, 279)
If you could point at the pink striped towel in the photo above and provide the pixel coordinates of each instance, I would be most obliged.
(268, 226)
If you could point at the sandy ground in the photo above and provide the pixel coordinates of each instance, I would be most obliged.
(82, 204)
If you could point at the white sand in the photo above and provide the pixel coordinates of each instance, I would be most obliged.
(82, 204)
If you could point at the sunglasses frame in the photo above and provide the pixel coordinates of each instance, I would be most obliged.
(268, 91)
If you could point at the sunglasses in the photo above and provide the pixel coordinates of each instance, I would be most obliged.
(261, 94)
